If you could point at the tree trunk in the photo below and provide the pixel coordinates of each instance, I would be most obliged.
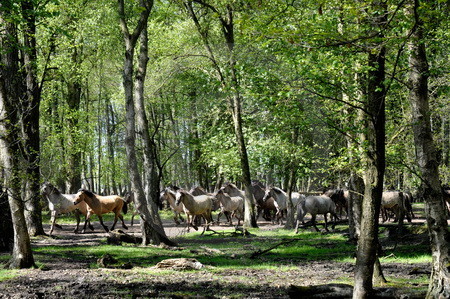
(149, 145)
(355, 200)
(152, 232)
(374, 162)
(427, 159)
(10, 94)
(290, 219)
(30, 124)
(6, 227)
(73, 179)
(110, 131)
(235, 102)
(231, 83)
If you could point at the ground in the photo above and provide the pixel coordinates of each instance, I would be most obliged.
(72, 278)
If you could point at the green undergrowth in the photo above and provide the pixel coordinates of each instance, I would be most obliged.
(277, 250)
(6, 274)
(226, 249)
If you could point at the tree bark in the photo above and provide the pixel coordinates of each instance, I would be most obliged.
(6, 227)
(73, 171)
(427, 159)
(149, 146)
(30, 123)
(374, 161)
(152, 232)
(10, 94)
(290, 219)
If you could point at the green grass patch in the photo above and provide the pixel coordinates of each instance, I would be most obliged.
(6, 274)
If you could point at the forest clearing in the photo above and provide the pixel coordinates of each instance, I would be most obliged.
(69, 264)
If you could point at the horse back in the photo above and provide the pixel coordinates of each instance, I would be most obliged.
(318, 204)
(110, 203)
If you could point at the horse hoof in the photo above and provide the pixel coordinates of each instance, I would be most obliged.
(125, 227)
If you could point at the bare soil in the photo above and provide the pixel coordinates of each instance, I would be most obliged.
(72, 278)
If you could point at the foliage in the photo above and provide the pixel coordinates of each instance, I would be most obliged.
(296, 64)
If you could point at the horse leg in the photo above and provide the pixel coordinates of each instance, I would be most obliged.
(218, 217)
(232, 214)
(175, 218)
(313, 221)
(53, 220)
(335, 219)
(123, 222)
(115, 221)
(296, 226)
(326, 221)
(104, 226)
(88, 216)
(77, 216)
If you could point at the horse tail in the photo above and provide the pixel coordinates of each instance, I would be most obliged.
(125, 206)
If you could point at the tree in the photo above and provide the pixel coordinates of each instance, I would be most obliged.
(11, 89)
(230, 83)
(30, 121)
(152, 230)
(374, 156)
(427, 155)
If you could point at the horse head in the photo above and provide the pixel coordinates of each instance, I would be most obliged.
(47, 189)
(81, 195)
(179, 196)
(267, 194)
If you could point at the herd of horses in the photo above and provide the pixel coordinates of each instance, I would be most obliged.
(196, 204)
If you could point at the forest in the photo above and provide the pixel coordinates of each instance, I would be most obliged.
(135, 96)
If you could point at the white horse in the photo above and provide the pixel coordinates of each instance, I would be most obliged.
(170, 196)
(281, 198)
(59, 203)
(195, 205)
(316, 205)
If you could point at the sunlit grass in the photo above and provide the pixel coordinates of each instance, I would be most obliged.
(6, 274)
(277, 250)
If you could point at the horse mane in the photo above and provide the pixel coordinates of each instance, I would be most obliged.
(87, 192)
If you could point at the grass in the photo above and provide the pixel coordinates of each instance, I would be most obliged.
(225, 252)
(231, 252)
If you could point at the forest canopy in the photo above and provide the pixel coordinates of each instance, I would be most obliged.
(296, 64)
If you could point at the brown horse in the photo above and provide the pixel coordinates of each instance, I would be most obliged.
(100, 205)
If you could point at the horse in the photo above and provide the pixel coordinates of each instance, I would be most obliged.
(59, 203)
(169, 195)
(129, 198)
(232, 204)
(267, 207)
(200, 191)
(339, 199)
(232, 190)
(398, 203)
(316, 205)
(281, 200)
(99, 205)
(195, 205)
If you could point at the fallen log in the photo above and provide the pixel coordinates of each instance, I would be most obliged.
(116, 237)
(180, 264)
(333, 290)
